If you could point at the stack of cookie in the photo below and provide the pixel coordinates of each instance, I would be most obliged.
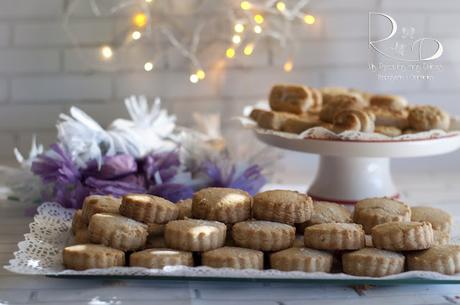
(295, 109)
(223, 227)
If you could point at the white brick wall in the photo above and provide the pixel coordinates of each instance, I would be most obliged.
(41, 74)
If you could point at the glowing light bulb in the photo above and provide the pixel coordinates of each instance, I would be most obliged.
(106, 52)
(200, 74)
(239, 28)
(245, 5)
(309, 19)
(194, 78)
(280, 6)
(288, 65)
(236, 39)
(140, 20)
(230, 53)
(257, 29)
(136, 35)
(148, 66)
(259, 19)
(248, 49)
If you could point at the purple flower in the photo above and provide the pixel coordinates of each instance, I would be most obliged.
(116, 188)
(171, 191)
(113, 167)
(161, 167)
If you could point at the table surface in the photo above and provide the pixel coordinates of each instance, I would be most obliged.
(437, 189)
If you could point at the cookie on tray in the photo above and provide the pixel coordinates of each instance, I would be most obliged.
(339, 103)
(263, 235)
(99, 204)
(117, 232)
(148, 208)
(185, 208)
(290, 98)
(335, 236)
(352, 119)
(300, 124)
(439, 219)
(440, 238)
(372, 262)
(403, 236)
(282, 206)
(226, 205)
(273, 120)
(389, 131)
(394, 102)
(390, 117)
(233, 257)
(89, 256)
(373, 211)
(423, 118)
(443, 259)
(160, 257)
(326, 212)
(195, 234)
(78, 222)
(301, 259)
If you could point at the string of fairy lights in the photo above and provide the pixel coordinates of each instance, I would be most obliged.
(247, 24)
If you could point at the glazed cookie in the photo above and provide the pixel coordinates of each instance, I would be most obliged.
(148, 208)
(195, 234)
(372, 262)
(440, 238)
(82, 236)
(443, 259)
(222, 204)
(282, 206)
(389, 131)
(355, 120)
(99, 204)
(439, 219)
(263, 235)
(301, 259)
(422, 118)
(233, 257)
(290, 98)
(185, 208)
(394, 102)
(339, 103)
(159, 258)
(373, 211)
(273, 120)
(82, 257)
(117, 231)
(390, 117)
(300, 124)
(78, 222)
(403, 236)
(335, 236)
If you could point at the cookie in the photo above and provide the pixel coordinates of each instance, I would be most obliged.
(440, 238)
(334, 236)
(89, 256)
(226, 205)
(439, 219)
(326, 212)
(389, 131)
(393, 102)
(185, 208)
(301, 259)
(233, 257)
(334, 104)
(422, 118)
(255, 113)
(263, 235)
(82, 236)
(373, 211)
(273, 120)
(403, 236)
(355, 120)
(159, 258)
(148, 208)
(117, 232)
(390, 117)
(195, 235)
(372, 262)
(99, 204)
(300, 124)
(443, 259)
(78, 222)
(317, 101)
(290, 98)
(282, 206)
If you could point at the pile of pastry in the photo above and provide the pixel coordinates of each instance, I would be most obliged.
(295, 109)
(227, 228)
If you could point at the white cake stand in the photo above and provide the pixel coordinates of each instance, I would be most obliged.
(350, 170)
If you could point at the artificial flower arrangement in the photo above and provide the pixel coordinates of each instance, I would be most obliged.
(147, 154)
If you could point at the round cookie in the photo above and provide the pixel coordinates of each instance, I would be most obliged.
(422, 118)
(117, 231)
(373, 211)
(403, 236)
(263, 235)
(99, 204)
(326, 212)
(335, 236)
(372, 262)
(78, 222)
(195, 234)
(222, 204)
(233, 257)
(282, 206)
(159, 258)
(443, 259)
(394, 102)
(148, 208)
(185, 208)
(301, 259)
(440, 238)
(88, 256)
(439, 219)
(389, 131)
(352, 119)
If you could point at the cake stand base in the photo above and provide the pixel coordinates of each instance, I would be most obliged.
(349, 179)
